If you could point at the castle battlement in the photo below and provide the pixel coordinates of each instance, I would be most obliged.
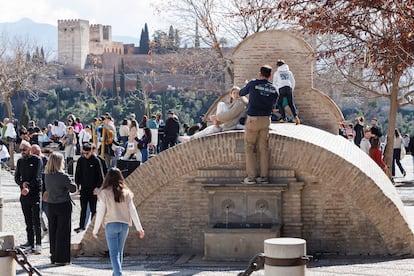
(71, 22)
(77, 39)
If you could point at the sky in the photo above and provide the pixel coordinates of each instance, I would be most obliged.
(127, 17)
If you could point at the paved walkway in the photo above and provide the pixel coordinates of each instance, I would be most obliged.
(187, 264)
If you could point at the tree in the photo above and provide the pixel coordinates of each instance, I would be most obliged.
(197, 36)
(94, 84)
(122, 80)
(144, 41)
(25, 116)
(220, 22)
(19, 72)
(370, 42)
(114, 86)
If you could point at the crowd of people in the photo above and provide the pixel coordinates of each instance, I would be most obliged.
(47, 158)
(368, 138)
(43, 173)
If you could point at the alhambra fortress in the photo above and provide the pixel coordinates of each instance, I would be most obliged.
(77, 39)
(323, 188)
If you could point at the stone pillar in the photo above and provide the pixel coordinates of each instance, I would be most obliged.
(288, 249)
(7, 264)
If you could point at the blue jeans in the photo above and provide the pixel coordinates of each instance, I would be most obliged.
(144, 154)
(116, 234)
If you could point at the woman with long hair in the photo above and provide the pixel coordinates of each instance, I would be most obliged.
(58, 185)
(398, 142)
(227, 116)
(376, 154)
(143, 143)
(115, 210)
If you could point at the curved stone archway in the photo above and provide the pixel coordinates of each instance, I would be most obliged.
(338, 199)
(315, 107)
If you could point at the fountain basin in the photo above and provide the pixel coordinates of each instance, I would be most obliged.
(237, 242)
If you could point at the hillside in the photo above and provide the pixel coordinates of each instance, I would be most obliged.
(45, 35)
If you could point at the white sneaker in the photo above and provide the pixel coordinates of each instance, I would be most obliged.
(249, 180)
(37, 249)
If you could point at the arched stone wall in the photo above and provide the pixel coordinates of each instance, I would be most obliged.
(315, 108)
(341, 202)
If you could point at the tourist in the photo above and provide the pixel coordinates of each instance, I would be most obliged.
(171, 131)
(116, 209)
(365, 141)
(375, 129)
(396, 156)
(227, 116)
(123, 132)
(132, 145)
(85, 136)
(36, 150)
(143, 122)
(152, 122)
(262, 97)
(376, 154)
(359, 130)
(88, 177)
(28, 176)
(58, 186)
(69, 142)
(143, 144)
(285, 83)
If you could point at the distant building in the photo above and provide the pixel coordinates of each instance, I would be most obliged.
(77, 39)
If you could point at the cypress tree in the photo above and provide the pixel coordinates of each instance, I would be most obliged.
(170, 41)
(114, 90)
(144, 41)
(25, 116)
(197, 37)
(122, 79)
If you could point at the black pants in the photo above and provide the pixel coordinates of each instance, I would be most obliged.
(59, 231)
(396, 159)
(85, 198)
(31, 212)
(69, 165)
(169, 142)
(286, 91)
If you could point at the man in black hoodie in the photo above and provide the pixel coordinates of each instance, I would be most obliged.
(88, 176)
(171, 131)
(28, 176)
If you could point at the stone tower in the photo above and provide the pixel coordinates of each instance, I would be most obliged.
(73, 42)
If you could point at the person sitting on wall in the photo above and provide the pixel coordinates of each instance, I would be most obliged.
(227, 116)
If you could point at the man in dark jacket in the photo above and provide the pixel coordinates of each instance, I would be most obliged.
(262, 97)
(171, 131)
(88, 176)
(28, 176)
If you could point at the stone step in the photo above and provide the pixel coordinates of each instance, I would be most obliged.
(232, 180)
(240, 172)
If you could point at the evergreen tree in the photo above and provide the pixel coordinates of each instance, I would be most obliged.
(42, 54)
(25, 116)
(197, 37)
(114, 89)
(170, 40)
(177, 40)
(144, 41)
(122, 79)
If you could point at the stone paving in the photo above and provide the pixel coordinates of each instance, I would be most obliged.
(186, 264)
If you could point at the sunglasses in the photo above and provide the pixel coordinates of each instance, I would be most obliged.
(24, 149)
